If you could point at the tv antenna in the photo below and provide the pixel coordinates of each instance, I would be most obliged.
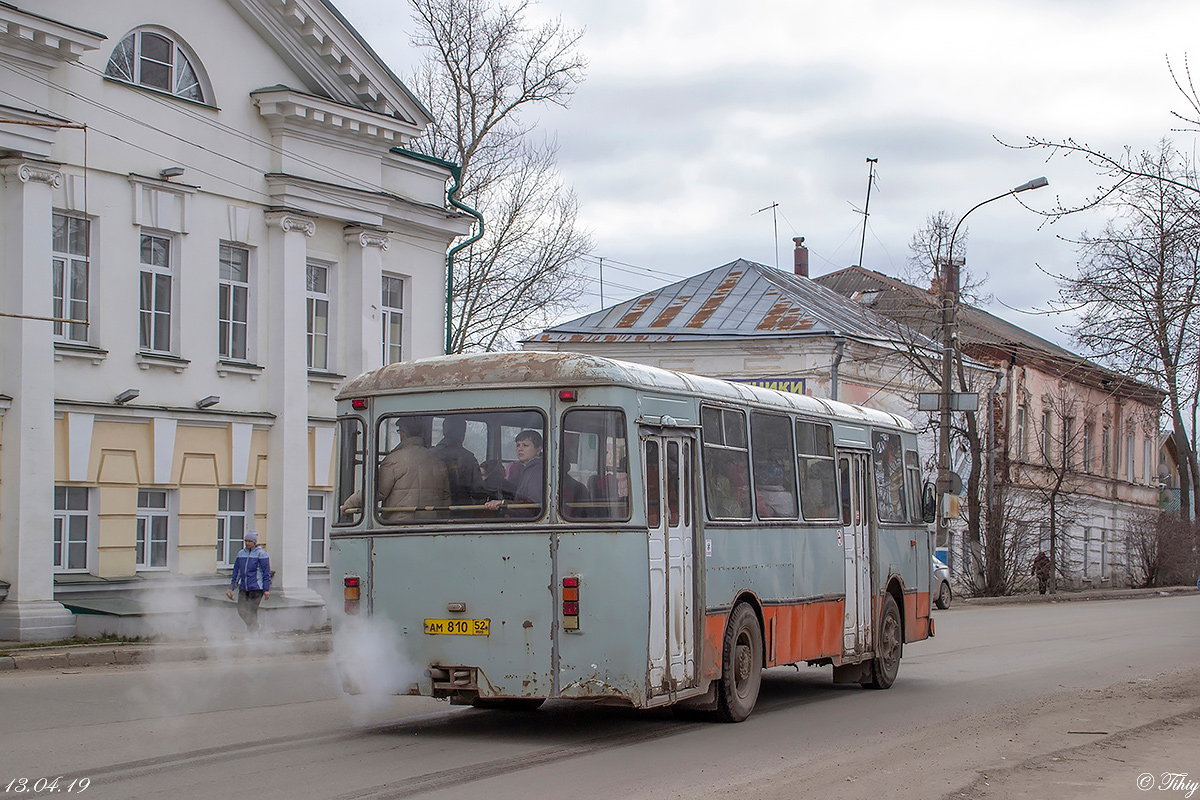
(866, 212)
(775, 221)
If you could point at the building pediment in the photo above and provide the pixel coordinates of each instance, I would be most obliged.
(316, 41)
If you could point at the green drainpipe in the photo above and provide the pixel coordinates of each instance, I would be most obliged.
(456, 173)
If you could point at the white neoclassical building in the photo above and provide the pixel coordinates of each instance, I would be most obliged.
(209, 220)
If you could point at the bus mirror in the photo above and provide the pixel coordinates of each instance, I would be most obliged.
(928, 502)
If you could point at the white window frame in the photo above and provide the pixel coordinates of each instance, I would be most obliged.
(1022, 414)
(67, 263)
(232, 522)
(318, 527)
(153, 525)
(1047, 442)
(1089, 432)
(1147, 457)
(228, 288)
(1106, 452)
(319, 298)
(1130, 456)
(182, 61)
(393, 318)
(68, 523)
(157, 319)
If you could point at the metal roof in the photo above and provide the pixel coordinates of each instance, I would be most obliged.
(979, 331)
(740, 299)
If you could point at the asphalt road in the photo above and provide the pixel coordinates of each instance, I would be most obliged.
(279, 728)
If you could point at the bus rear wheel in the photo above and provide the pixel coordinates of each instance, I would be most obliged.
(889, 647)
(509, 703)
(741, 668)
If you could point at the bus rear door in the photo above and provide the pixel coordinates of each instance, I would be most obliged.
(856, 541)
(670, 522)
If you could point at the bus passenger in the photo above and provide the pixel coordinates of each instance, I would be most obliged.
(411, 482)
(462, 468)
(529, 477)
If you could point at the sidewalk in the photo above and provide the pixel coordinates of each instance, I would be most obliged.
(24, 656)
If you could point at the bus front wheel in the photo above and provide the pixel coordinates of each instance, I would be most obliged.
(889, 647)
(742, 662)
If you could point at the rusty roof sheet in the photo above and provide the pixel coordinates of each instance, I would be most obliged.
(739, 299)
(528, 369)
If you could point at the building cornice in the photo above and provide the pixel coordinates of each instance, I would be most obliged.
(42, 41)
(365, 208)
(288, 111)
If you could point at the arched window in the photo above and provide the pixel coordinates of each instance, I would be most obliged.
(157, 60)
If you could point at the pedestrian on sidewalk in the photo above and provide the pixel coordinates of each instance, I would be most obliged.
(1041, 571)
(252, 580)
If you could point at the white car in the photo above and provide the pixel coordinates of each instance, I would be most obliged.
(939, 584)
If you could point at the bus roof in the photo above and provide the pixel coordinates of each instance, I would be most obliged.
(568, 370)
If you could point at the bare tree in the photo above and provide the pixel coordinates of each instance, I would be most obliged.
(1162, 548)
(1055, 481)
(929, 248)
(1138, 292)
(485, 67)
(1153, 196)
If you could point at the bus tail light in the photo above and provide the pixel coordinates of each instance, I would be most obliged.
(570, 603)
(358, 403)
(568, 395)
(352, 589)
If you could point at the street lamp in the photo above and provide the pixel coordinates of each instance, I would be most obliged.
(950, 281)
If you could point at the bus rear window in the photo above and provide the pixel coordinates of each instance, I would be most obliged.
(594, 466)
(470, 466)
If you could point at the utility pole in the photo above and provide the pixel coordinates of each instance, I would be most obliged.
(949, 298)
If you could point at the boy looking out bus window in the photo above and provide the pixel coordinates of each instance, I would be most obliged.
(528, 477)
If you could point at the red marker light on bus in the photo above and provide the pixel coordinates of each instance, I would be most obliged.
(358, 404)
(351, 590)
(570, 603)
(568, 395)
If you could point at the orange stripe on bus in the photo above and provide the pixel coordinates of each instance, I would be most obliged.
(802, 632)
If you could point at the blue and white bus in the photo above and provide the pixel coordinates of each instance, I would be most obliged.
(683, 532)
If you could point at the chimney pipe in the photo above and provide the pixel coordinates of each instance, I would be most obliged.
(801, 257)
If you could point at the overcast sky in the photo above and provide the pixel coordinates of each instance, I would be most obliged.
(695, 114)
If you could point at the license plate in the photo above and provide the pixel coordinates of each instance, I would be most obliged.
(459, 627)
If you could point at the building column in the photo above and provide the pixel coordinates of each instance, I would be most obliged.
(364, 283)
(27, 468)
(287, 381)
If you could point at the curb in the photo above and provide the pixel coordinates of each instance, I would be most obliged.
(112, 654)
(1077, 597)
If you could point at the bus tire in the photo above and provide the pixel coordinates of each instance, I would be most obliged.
(741, 666)
(509, 703)
(889, 647)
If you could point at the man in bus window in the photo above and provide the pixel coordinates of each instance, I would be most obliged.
(411, 482)
(462, 468)
(528, 478)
